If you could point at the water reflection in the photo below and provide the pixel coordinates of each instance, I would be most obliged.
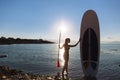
(61, 57)
(89, 78)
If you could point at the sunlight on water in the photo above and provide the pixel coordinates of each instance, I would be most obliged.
(42, 57)
(61, 57)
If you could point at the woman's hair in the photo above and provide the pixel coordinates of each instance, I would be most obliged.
(67, 40)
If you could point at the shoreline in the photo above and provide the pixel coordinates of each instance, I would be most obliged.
(6, 73)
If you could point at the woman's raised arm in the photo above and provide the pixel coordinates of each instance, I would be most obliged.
(75, 44)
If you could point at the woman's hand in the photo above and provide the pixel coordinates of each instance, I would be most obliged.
(58, 46)
(79, 39)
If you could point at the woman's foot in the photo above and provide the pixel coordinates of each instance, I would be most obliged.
(62, 72)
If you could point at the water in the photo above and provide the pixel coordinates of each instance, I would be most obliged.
(41, 58)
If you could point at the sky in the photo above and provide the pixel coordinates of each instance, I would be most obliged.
(37, 19)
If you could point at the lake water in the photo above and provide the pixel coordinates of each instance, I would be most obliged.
(41, 58)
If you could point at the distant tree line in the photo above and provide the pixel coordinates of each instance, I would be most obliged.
(11, 40)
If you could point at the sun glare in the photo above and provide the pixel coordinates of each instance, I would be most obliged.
(63, 27)
(61, 57)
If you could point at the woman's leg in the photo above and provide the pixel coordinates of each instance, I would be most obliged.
(67, 67)
(64, 67)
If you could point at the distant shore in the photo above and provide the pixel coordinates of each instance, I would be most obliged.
(10, 40)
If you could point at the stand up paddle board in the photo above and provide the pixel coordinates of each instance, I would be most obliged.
(90, 43)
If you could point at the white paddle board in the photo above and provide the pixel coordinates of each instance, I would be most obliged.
(90, 43)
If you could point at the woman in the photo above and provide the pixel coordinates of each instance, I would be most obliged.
(66, 53)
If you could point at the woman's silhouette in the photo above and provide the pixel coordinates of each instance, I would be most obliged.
(66, 47)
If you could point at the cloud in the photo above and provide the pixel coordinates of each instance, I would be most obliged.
(109, 37)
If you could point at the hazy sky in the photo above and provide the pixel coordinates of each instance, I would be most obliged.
(42, 18)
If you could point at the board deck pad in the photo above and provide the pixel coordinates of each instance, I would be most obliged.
(94, 46)
(86, 43)
(90, 43)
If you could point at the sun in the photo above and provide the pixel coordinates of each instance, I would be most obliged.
(63, 27)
